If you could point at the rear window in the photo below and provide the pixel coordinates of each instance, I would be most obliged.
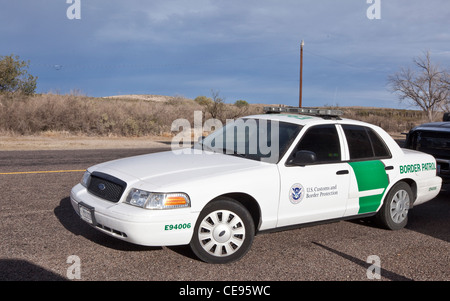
(364, 143)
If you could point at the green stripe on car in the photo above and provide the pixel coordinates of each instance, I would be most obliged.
(372, 182)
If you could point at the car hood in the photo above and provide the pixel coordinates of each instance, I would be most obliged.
(169, 167)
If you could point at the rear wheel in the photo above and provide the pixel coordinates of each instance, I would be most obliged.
(223, 233)
(393, 214)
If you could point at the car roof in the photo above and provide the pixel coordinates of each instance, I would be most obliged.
(305, 119)
(433, 126)
(305, 116)
(289, 118)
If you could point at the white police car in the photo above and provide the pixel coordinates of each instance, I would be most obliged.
(263, 172)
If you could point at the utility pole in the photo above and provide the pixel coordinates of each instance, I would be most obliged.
(301, 74)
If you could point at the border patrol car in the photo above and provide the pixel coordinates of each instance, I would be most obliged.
(260, 173)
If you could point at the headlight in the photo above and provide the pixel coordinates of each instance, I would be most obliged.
(154, 200)
(86, 179)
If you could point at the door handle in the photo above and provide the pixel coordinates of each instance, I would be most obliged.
(342, 172)
(389, 168)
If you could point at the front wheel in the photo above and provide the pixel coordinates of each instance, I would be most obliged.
(393, 214)
(223, 233)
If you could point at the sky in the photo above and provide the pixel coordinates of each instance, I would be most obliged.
(244, 50)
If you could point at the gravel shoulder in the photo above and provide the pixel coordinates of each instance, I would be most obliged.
(69, 142)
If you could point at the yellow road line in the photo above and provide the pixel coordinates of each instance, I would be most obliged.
(38, 172)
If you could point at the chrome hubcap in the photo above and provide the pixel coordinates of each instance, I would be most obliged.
(399, 206)
(221, 233)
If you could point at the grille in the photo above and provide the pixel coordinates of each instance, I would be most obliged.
(106, 187)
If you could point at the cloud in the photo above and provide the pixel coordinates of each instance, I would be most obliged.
(248, 48)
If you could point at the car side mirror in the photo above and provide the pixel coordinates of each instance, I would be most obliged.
(303, 158)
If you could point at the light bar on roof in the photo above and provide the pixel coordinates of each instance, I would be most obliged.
(306, 111)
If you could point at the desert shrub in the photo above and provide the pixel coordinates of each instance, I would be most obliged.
(391, 120)
(28, 115)
(77, 114)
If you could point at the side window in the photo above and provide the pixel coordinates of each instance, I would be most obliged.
(323, 141)
(364, 143)
(379, 147)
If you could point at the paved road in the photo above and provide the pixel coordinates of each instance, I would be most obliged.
(40, 232)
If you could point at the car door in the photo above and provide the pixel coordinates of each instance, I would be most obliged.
(314, 180)
(371, 169)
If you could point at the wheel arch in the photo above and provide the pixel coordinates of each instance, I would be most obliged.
(248, 202)
(411, 183)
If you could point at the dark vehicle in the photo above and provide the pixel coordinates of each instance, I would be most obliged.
(434, 139)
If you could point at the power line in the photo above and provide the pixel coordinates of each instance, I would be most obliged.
(339, 62)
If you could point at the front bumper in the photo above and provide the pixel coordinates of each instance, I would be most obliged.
(443, 167)
(137, 225)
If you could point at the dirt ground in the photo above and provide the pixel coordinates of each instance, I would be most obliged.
(69, 142)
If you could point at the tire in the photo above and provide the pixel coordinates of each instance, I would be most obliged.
(393, 215)
(223, 233)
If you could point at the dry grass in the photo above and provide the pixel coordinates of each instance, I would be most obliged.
(393, 121)
(22, 115)
(59, 115)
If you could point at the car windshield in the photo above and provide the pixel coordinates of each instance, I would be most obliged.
(255, 139)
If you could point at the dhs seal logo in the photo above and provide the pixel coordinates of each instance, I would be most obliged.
(296, 193)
